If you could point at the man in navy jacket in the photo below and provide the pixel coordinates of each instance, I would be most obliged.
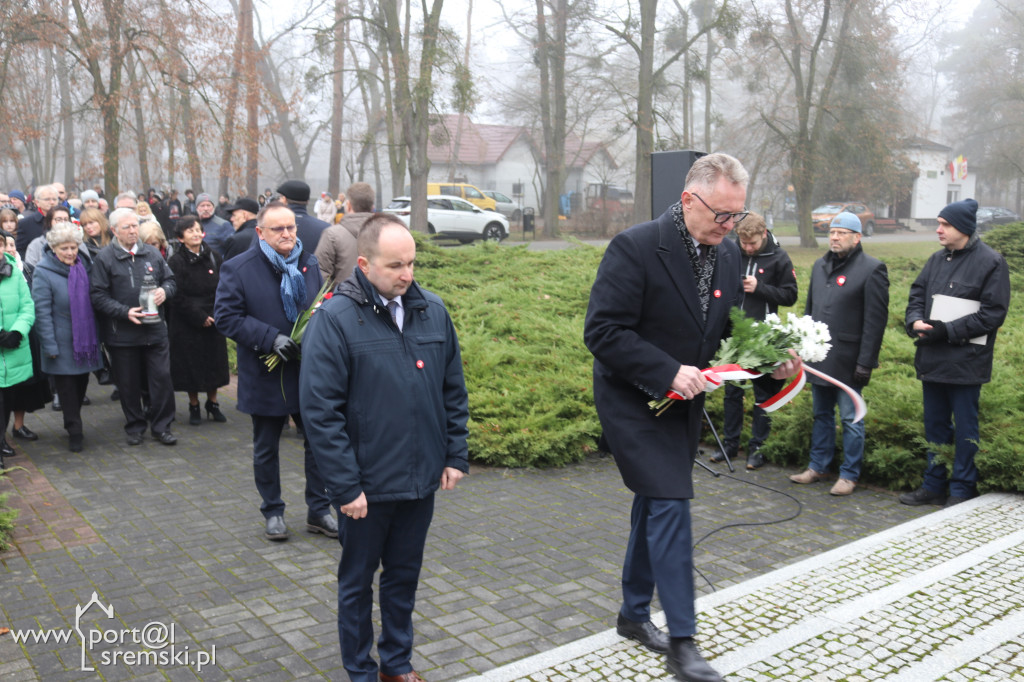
(385, 408)
(260, 294)
(659, 309)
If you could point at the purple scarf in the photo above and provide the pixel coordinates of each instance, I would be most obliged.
(83, 322)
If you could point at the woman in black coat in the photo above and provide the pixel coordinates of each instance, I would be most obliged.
(199, 353)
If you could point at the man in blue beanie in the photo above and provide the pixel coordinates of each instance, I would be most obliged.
(957, 305)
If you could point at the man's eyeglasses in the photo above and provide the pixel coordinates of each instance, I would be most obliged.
(722, 217)
(282, 229)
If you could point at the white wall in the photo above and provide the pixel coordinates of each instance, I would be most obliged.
(933, 185)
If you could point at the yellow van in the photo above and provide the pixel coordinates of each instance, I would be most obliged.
(463, 191)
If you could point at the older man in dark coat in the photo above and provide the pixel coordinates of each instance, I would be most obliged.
(849, 292)
(260, 294)
(658, 311)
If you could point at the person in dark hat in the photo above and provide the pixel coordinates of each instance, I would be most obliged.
(296, 193)
(18, 200)
(956, 306)
(243, 217)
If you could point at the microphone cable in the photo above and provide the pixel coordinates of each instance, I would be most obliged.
(716, 474)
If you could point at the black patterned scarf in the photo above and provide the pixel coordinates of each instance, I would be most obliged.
(702, 275)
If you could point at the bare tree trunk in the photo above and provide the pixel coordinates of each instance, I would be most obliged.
(645, 113)
(140, 122)
(66, 117)
(338, 100)
(459, 125)
(412, 99)
(709, 54)
(252, 101)
(195, 167)
(231, 109)
(551, 60)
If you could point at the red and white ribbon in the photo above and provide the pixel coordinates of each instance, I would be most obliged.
(716, 376)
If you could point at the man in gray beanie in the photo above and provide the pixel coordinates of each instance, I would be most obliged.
(218, 231)
(957, 305)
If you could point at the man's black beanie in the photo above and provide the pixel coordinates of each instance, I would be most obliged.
(963, 215)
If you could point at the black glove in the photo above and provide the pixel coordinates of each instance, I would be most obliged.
(861, 375)
(285, 348)
(10, 339)
(937, 334)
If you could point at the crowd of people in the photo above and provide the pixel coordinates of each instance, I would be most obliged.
(126, 290)
(147, 294)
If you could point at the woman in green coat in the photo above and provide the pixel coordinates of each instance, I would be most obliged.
(17, 315)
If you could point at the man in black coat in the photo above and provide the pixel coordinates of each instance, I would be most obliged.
(769, 281)
(243, 217)
(136, 338)
(849, 292)
(296, 193)
(955, 335)
(659, 309)
(31, 225)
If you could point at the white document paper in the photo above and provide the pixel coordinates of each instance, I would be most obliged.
(949, 308)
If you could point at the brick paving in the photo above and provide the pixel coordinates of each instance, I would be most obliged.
(519, 562)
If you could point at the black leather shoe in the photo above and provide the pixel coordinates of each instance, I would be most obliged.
(76, 442)
(730, 449)
(276, 530)
(166, 437)
(647, 634)
(5, 448)
(85, 400)
(134, 439)
(953, 500)
(324, 524)
(923, 496)
(686, 663)
(25, 433)
(195, 415)
(755, 460)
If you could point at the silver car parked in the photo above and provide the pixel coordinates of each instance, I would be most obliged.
(505, 205)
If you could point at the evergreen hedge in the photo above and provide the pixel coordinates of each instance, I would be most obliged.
(519, 316)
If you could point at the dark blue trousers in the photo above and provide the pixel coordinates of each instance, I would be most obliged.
(392, 536)
(951, 416)
(660, 553)
(266, 442)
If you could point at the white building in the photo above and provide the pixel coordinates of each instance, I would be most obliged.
(941, 180)
(498, 157)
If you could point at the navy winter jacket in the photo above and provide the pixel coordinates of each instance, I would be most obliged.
(385, 410)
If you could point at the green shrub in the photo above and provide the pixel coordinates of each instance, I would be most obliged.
(519, 315)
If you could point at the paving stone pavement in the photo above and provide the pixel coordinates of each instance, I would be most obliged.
(518, 562)
(936, 598)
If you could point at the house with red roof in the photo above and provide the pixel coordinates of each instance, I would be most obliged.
(498, 157)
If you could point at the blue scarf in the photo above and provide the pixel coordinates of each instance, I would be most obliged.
(293, 284)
